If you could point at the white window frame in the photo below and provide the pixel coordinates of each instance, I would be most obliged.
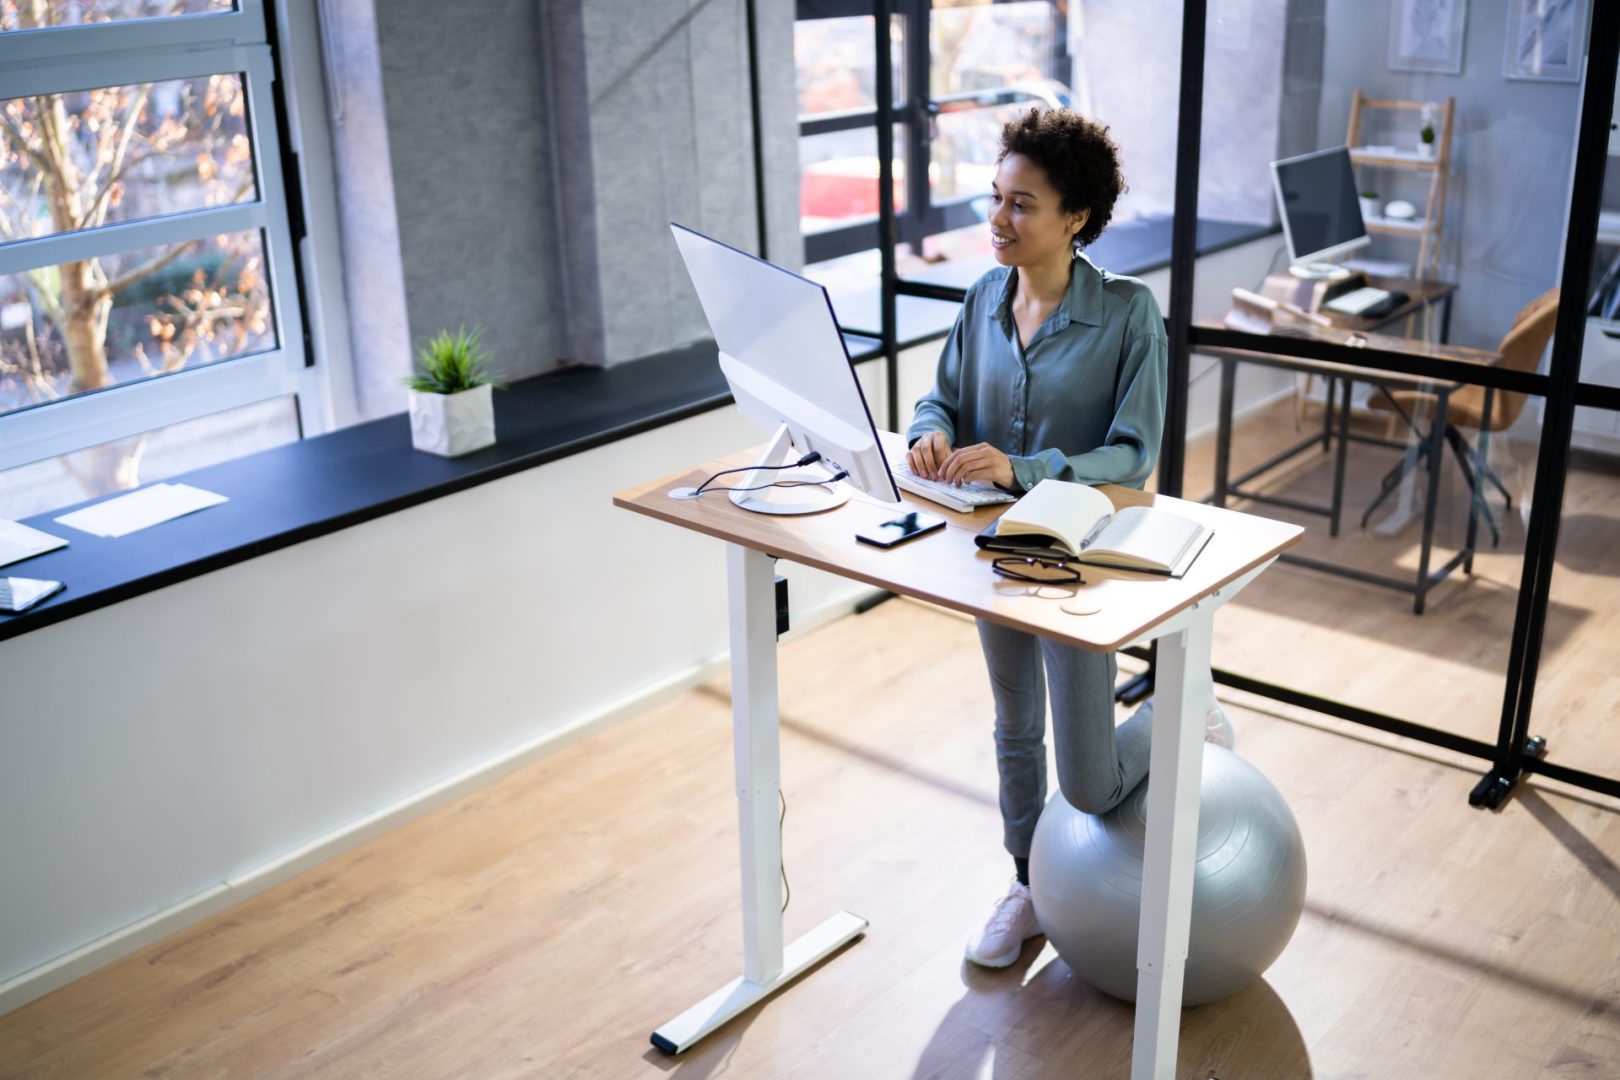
(63, 59)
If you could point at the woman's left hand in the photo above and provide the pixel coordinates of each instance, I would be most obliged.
(980, 462)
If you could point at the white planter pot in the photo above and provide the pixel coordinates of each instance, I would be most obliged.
(453, 424)
(1369, 209)
(1425, 149)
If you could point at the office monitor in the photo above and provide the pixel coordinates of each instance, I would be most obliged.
(784, 357)
(1321, 216)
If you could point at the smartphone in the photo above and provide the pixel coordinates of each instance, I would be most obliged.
(901, 529)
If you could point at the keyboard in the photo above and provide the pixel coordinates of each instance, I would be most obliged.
(1357, 301)
(965, 498)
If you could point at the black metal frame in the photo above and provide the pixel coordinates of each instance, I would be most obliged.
(1429, 445)
(1515, 752)
(916, 112)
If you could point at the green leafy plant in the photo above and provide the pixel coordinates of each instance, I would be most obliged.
(1369, 194)
(1427, 134)
(451, 363)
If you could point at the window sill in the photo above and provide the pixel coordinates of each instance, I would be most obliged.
(307, 489)
(1132, 248)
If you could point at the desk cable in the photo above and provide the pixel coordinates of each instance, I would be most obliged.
(808, 459)
(780, 823)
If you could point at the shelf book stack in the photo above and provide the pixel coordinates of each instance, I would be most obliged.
(1079, 524)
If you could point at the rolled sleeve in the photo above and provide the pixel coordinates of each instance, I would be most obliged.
(1031, 470)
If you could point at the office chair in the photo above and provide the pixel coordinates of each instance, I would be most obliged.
(1477, 407)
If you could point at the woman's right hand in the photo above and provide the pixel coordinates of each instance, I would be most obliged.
(928, 454)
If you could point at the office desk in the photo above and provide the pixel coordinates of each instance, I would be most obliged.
(946, 568)
(1421, 294)
(1344, 377)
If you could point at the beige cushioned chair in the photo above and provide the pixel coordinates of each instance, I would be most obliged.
(1477, 407)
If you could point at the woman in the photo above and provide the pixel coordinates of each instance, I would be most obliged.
(1053, 369)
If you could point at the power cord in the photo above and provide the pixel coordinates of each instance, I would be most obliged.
(780, 830)
(809, 459)
(774, 484)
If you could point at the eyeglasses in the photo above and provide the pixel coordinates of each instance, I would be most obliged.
(1042, 571)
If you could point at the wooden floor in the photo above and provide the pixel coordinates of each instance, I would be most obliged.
(1363, 645)
(543, 926)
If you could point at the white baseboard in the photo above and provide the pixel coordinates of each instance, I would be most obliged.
(38, 981)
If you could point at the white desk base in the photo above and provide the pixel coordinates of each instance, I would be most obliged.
(798, 957)
(1172, 824)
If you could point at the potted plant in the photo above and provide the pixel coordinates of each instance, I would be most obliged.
(1369, 205)
(452, 410)
(1426, 132)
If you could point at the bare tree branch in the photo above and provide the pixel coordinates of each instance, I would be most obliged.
(22, 142)
(53, 310)
(97, 213)
(126, 280)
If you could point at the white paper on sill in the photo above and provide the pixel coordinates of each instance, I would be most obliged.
(19, 542)
(141, 509)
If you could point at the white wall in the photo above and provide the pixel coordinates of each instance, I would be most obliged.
(1512, 149)
(196, 737)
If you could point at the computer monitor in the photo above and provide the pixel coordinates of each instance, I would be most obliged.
(782, 353)
(1321, 215)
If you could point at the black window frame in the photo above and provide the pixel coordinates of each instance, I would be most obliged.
(915, 113)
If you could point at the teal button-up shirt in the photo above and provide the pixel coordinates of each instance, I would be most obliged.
(1083, 401)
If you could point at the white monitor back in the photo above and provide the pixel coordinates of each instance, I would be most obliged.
(782, 353)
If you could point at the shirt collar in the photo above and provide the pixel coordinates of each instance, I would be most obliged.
(1083, 303)
(1085, 299)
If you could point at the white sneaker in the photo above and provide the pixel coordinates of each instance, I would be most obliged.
(1218, 728)
(1002, 938)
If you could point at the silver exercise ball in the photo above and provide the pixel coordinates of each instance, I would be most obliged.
(1085, 874)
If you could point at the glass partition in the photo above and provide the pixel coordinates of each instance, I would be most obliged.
(1356, 399)
(1576, 704)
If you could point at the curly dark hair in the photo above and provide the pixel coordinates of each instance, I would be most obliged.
(1078, 157)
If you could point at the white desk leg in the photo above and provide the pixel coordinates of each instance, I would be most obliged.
(1174, 774)
(755, 737)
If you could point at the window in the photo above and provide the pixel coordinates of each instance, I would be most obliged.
(961, 70)
(146, 253)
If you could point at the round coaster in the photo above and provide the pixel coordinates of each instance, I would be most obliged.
(1082, 606)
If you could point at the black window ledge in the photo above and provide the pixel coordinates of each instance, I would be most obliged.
(303, 490)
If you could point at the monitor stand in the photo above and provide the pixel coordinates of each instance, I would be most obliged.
(1319, 271)
(816, 495)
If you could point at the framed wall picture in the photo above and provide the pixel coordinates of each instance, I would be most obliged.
(1427, 35)
(1545, 40)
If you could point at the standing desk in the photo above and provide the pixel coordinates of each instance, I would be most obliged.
(946, 568)
(1344, 376)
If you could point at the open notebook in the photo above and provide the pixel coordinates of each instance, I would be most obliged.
(1079, 523)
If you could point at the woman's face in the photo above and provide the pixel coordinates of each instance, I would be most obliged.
(1027, 224)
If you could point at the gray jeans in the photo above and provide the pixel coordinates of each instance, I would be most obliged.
(1097, 765)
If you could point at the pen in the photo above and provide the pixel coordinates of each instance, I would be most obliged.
(1102, 523)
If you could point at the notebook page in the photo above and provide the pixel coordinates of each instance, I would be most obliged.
(1155, 536)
